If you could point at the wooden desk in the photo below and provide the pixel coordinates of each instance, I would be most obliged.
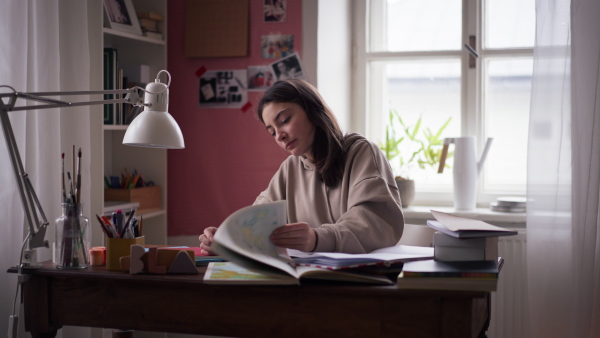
(95, 297)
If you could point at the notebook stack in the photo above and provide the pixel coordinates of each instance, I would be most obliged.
(465, 257)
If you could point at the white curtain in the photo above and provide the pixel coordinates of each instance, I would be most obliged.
(563, 248)
(45, 47)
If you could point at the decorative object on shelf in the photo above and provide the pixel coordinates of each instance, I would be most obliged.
(418, 153)
(466, 169)
(121, 16)
(154, 128)
(73, 238)
(509, 204)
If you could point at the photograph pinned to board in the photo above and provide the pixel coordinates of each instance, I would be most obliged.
(276, 46)
(275, 10)
(223, 89)
(260, 78)
(121, 16)
(288, 68)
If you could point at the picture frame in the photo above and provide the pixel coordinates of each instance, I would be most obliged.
(121, 16)
(288, 67)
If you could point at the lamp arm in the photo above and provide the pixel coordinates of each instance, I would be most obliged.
(29, 200)
(34, 214)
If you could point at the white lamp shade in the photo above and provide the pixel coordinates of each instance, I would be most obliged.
(155, 127)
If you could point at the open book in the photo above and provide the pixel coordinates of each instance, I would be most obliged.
(243, 239)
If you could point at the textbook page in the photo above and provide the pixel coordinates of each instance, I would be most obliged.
(243, 238)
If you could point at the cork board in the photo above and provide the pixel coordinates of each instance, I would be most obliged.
(216, 28)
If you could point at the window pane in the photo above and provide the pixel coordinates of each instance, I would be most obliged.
(429, 89)
(507, 96)
(415, 25)
(509, 23)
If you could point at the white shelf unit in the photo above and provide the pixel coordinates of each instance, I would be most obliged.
(151, 163)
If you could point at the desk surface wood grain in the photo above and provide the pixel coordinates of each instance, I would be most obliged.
(95, 297)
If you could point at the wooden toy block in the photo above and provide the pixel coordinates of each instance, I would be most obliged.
(153, 266)
(183, 264)
(136, 265)
(124, 262)
(167, 255)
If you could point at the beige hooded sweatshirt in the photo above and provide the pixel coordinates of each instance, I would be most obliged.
(361, 214)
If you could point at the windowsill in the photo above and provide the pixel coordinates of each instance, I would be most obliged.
(420, 215)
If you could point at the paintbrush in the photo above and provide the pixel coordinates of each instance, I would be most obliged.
(78, 185)
(64, 190)
(71, 193)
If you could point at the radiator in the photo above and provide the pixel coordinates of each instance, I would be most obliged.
(509, 303)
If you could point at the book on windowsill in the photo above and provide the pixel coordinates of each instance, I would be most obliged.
(461, 227)
(438, 275)
(243, 240)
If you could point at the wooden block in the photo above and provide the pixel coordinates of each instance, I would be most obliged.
(167, 255)
(153, 266)
(183, 264)
(124, 262)
(136, 265)
(119, 247)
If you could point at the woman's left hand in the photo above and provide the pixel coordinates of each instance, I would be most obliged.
(299, 236)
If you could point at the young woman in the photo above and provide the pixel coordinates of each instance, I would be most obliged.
(340, 191)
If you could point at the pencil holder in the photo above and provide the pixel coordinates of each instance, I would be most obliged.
(117, 248)
(72, 238)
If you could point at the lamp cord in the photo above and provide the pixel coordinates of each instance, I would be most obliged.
(157, 79)
(20, 271)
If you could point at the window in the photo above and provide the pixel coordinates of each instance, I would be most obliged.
(411, 57)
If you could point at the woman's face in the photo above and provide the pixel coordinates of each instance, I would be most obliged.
(289, 125)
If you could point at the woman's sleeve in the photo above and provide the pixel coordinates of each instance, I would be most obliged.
(374, 216)
(277, 187)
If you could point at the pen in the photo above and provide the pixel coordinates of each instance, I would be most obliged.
(103, 226)
(128, 223)
(64, 190)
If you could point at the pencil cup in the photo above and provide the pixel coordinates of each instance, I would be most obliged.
(117, 248)
(72, 238)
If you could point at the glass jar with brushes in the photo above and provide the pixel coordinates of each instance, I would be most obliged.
(72, 238)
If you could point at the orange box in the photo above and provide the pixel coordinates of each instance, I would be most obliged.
(148, 197)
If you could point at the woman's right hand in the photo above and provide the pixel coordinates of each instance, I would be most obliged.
(206, 240)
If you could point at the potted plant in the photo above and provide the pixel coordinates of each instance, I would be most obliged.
(420, 150)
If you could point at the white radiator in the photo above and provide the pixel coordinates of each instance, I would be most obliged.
(509, 302)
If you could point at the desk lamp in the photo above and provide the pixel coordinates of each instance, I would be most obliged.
(154, 127)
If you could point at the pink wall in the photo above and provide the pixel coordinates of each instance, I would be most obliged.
(229, 158)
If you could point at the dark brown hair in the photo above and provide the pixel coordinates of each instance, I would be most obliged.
(327, 148)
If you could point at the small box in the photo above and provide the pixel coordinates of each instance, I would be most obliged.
(117, 248)
(148, 197)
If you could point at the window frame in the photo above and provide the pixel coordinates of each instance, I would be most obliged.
(472, 86)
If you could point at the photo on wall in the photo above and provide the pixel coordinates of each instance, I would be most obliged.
(276, 46)
(288, 68)
(260, 78)
(223, 89)
(275, 10)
